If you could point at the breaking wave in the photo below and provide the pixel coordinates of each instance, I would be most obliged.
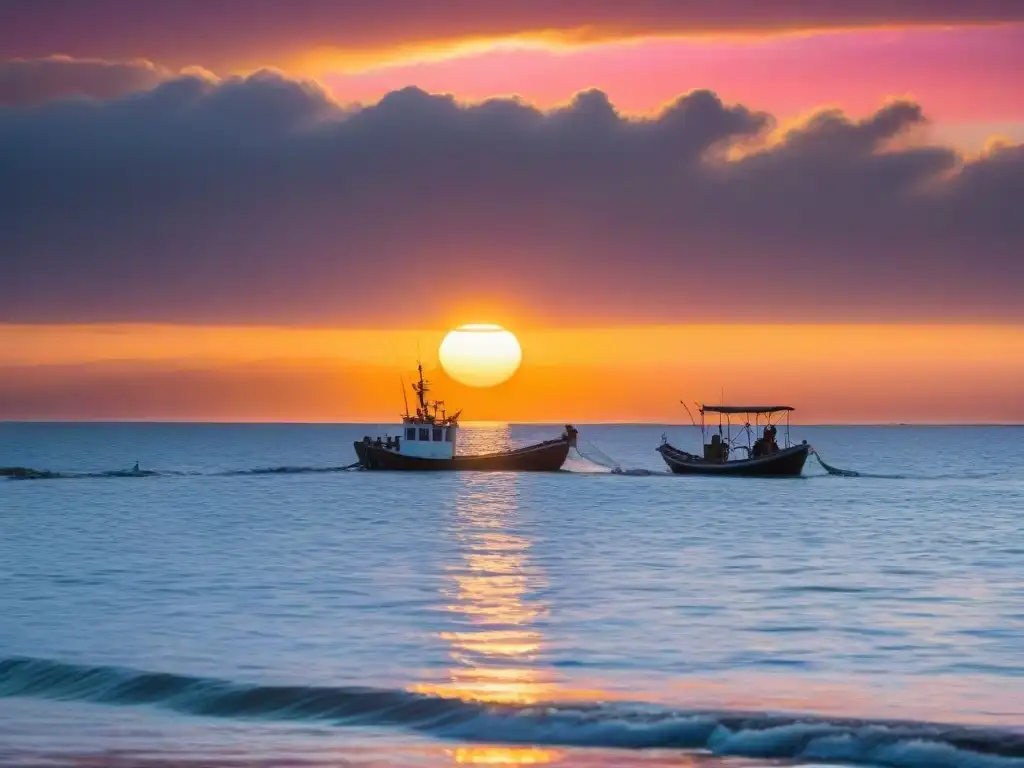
(763, 735)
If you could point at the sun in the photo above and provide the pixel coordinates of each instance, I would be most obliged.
(480, 355)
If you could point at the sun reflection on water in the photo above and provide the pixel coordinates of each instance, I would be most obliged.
(484, 437)
(495, 643)
(504, 755)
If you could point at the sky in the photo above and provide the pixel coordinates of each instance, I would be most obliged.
(259, 209)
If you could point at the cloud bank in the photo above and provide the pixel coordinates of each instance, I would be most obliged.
(260, 199)
(32, 81)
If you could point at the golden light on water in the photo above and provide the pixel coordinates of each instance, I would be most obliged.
(495, 638)
(480, 355)
(504, 755)
(495, 645)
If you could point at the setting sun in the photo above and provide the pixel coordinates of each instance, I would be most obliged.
(480, 355)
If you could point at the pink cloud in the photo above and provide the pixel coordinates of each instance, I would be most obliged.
(962, 74)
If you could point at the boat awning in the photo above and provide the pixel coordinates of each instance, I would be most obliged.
(745, 408)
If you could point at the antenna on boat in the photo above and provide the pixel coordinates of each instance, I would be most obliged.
(405, 397)
(692, 420)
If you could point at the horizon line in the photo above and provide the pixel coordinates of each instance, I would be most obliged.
(482, 423)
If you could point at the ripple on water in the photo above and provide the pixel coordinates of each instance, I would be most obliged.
(860, 598)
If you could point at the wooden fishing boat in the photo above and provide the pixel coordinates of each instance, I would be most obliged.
(761, 455)
(428, 441)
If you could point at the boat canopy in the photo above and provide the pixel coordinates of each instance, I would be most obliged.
(745, 408)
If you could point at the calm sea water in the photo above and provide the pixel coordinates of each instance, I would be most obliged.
(250, 604)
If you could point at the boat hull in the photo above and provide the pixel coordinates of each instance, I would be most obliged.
(542, 457)
(788, 462)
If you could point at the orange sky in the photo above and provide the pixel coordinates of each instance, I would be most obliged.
(212, 200)
(831, 373)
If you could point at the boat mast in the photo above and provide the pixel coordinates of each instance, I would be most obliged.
(421, 389)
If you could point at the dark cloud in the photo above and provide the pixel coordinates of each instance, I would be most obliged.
(30, 81)
(261, 200)
(222, 34)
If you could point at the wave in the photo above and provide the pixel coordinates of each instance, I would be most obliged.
(899, 744)
(284, 471)
(28, 473)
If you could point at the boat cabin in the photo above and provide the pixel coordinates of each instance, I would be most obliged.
(428, 440)
(757, 432)
(429, 433)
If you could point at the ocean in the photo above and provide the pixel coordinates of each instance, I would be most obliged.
(250, 602)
